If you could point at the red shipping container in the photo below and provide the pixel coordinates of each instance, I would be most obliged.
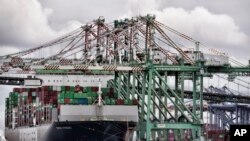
(67, 88)
(17, 90)
(48, 94)
(45, 88)
(51, 93)
(55, 93)
(77, 88)
(67, 100)
(23, 90)
(120, 102)
(53, 100)
(94, 89)
(135, 102)
(38, 89)
(29, 94)
(45, 92)
(39, 94)
(29, 100)
(32, 89)
(171, 136)
(81, 89)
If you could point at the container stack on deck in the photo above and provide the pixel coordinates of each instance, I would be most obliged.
(77, 95)
(25, 104)
(29, 106)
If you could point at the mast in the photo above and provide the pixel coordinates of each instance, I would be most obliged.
(100, 102)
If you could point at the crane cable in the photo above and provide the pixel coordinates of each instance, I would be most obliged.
(193, 40)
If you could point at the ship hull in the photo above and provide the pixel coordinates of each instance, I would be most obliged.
(75, 131)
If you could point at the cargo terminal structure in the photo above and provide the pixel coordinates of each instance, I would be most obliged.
(127, 64)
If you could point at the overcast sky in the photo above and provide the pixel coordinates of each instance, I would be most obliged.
(221, 24)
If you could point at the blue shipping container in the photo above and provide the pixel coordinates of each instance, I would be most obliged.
(83, 101)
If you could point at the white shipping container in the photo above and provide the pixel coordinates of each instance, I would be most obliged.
(54, 88)
(25, 93)
(58, 88)
(33, 93)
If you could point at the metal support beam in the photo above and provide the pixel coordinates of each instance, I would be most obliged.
(148, 127)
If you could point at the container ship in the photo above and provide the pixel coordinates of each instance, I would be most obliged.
(69, 113)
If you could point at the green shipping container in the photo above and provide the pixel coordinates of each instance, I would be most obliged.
(60, 101)
(13, 96)
(61, 95)
(107, 101)
(63, 88)
(93, 94)
(105, 90)
(50, 88)
(6, 102)
(75, 101)
(112, 101)
(87, 90)
(128, 102)
(69, 95)
(80, 95)
(50, 71)
(90, 100)
(72, 88)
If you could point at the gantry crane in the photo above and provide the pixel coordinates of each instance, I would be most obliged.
(141, 57)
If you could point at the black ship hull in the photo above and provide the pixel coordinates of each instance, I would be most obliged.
(90, 131)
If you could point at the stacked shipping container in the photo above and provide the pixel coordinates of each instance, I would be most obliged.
(88, 96)
(30, 105)
(33, 106)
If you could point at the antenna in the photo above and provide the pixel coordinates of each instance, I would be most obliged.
(100, 103)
